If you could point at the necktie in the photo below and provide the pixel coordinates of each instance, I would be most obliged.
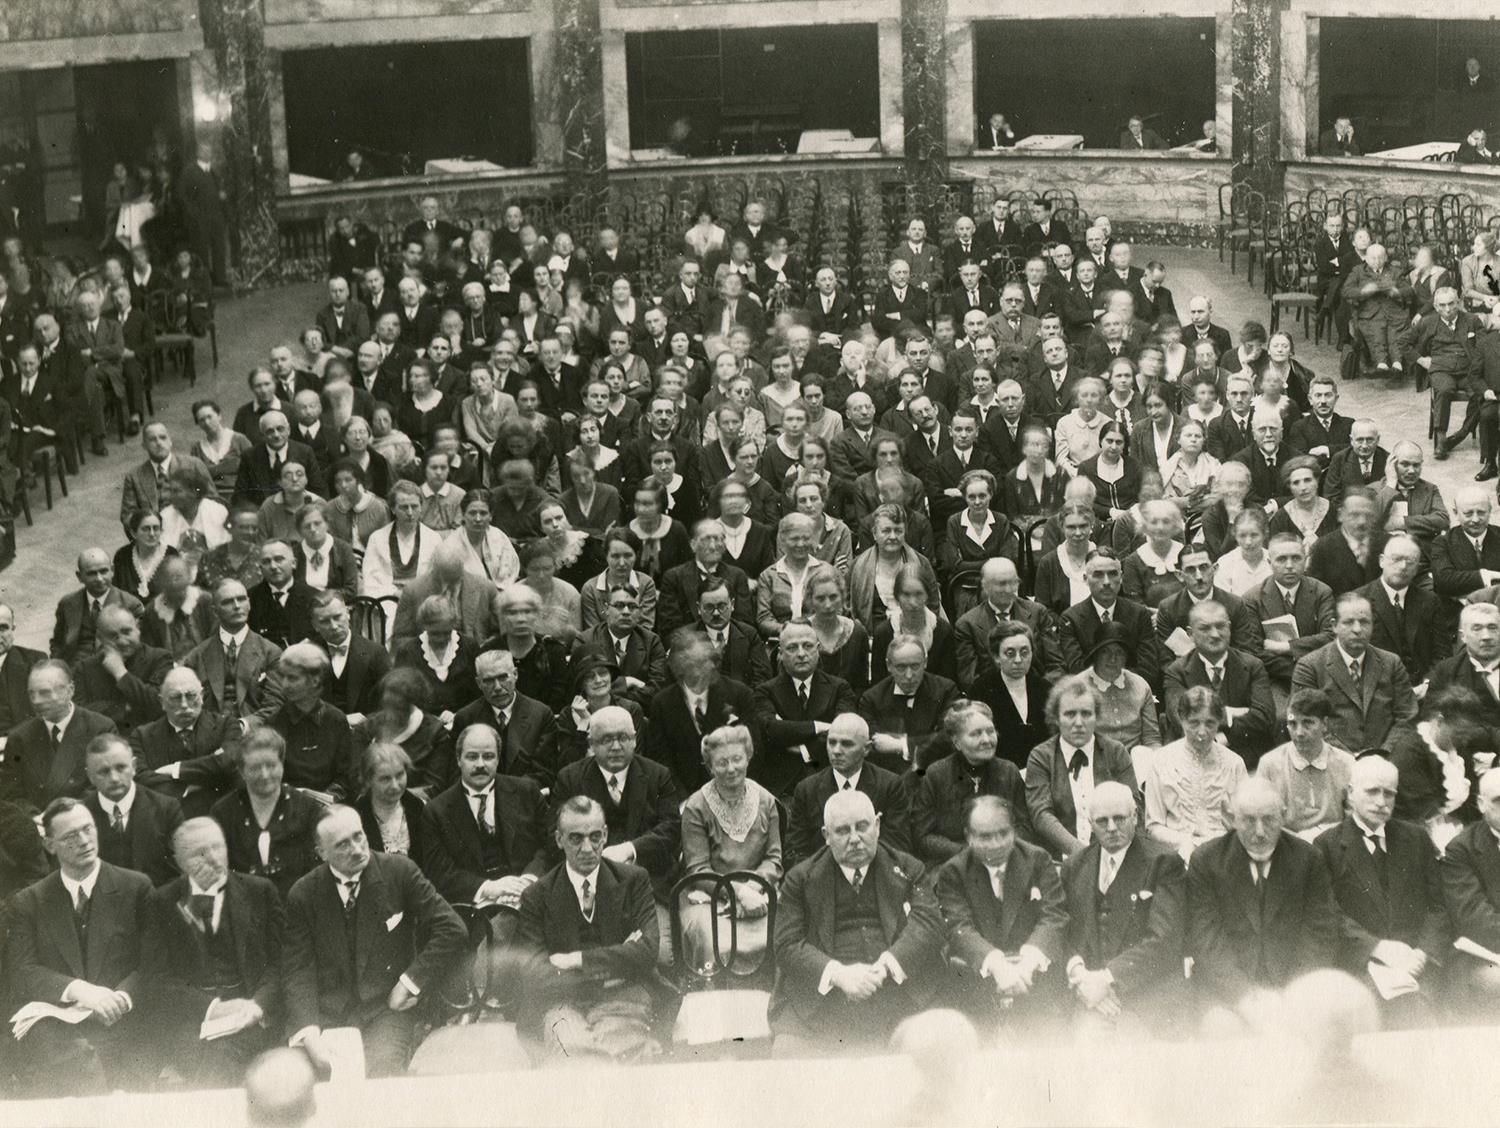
(1354, 669)
(1078, 762)
(1106, 872)
(721, 640)
(161, 481)
(1260, 875)
(232, 654)
(847, 786)
(481, 813)
(201, 905)
(700, 717)
(1215, 676)
(117, 820)
(81, 906)
(802, 695)
(1106, 615)
(95, 605)
(351, 898)
(932, 443)
(614, 789)
(586, 897)
(317, 558)
(856, 881)
(56, 733)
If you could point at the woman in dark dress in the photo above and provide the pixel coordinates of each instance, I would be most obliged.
(136, 563)
(268, 825)
(390, 812)
(660, 542)
(843, 642)
(442, 661)
(1012, 683)
(593, 682)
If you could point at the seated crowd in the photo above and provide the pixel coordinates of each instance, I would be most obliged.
(1010, 638)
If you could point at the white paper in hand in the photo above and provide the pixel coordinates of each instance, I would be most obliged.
(1391, 984)
(28, 1016)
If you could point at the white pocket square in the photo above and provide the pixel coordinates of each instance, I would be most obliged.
(392, 921)
(1145, 894)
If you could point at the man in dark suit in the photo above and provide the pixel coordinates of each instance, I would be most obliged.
(202, 200)
(1000, 238)
(1127, 919)
(960, 456)
(101, 343)
(1081, 622)
(345, 324)
(1290, 591)
(972, 292)
(487, 833)
(135, 824)
(1467, 558)
(75, 633)
(1195, 570)
(1390, 896)
(1470, 871)
(234, 663)
(858, 936)
(996, 133)
(15, 671)
(1443, 340)
(281, 606)
(1236, 676)
(1359, 465)
(1261, 910)
(75, 938)
(1037, 295)
(1406, 617)
(352, 248)
(182, 755)
(795, 708)
(1201, 327)
(831, 312)
(962, 248)
(686, 302)
(417, 320)
(677, 594)
(849, 769)
(1265, 455)
(526, 727)
(900, 303)
(1044, 232)
(212, 947)
(122, 679)
(1349, 556)
(44, 756)
(431, 220)
(1232, 431)
(734, 307)
(638, 655)
(1476, 665)
(358, 664)
(738, 648)
(590, 938)
(699, 700)
(1153, 301)
(851, 454)
(366, 935)
(147, 486)
(639, 796)
(1136, 136)
(1000, 585)
(1003, 912)
(259, 475)
(1334, 256)
(1323, 432)
(1369, 688)
(36, 407)
(63, 370)
(905, 709)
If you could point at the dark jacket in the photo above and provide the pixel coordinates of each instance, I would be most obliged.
(1030, 911)
(455, 859)
(146, 845)
(647, 815)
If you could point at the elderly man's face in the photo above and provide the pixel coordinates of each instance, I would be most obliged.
(581, 838)
(715, 608)
(907, 665)
(1113, 818)
(612, 742)
(1267, 436)
(498, 683)
(799, 652)
(1352, 626)
(1408, 467)
(1474, 512)
(1257, 823)
(1399, 563)
(1479, 631)
(479, 762)
(1011, 302)
(50, 692)
(1364, 439)
(991, 834)
(852, 835)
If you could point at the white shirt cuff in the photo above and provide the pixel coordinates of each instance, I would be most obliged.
(825, 982)
(303, 1035)
(894, 967)
(410, 984)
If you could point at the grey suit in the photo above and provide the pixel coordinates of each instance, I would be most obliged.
(255, 694)
(1367, 714)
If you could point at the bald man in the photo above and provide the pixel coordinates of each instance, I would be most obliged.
(122, 679)
(858, 937)
(1412, 504)
(1471, 889)
(849, 744)
(1127, 922)
(75, 634)
(1260, 907)
(1000, 585)
(1385, 879)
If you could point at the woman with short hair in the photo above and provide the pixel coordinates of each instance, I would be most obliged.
(1191, 782)
(390, 811)
(441, 657)
(269, 825)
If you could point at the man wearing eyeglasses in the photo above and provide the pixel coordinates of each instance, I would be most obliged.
(181, 754)
(638, 656)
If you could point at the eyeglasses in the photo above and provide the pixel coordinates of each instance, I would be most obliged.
(613, 739)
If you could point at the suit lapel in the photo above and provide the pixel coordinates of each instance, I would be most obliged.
(101, 913)
(1017, 887)
(891, 893)
(821, 894)
(1244, 887)
(369, 916)
(64, 931)
(989, 917)
(566, 915)
(237, 913)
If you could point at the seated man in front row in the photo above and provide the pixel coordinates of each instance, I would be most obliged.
(366, 936)
(74, 939)
(1127, 920)
(858, 940)
(1471, 887)
(589, 935)
(213, 950)
(1003, 910)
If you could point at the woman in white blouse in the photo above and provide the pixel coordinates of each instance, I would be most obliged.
(1189, 783)
(1189, 472)
(1078, 431)
(488, 552)
(1246, 566)
(1149, 574)
(399, 552)
(192, 522)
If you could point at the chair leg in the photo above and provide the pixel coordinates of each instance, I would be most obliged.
(23, 495)
(213, 342)
(62, 480)
(47, 480)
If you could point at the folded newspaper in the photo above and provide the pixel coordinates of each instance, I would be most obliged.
(28, 1016)
(221, 1020)
(1283, 628)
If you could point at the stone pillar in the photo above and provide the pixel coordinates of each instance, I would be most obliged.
(1256, 50)
(234, 34)
(1294, 74)
(924, 72)
(963, 117)
(580, 84)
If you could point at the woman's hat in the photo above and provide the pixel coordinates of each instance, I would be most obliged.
(1110, 634)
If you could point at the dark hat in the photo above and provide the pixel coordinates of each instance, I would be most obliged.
(1110, 633)
(591, 662)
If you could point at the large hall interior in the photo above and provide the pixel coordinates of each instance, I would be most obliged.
(695, 561)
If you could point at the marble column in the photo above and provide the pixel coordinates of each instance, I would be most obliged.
(580, 84)
(1256, 52)
(1294, 74)
(234, 35)
(962, 115)
(924, 72)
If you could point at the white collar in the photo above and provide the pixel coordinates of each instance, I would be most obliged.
(124, 805)
(1212, 666)
(87, 884)
(800, 684)
(1392, 594)
(1349, 658)
(1367, 831)
(577, 879)
(851, 780)
(849, 871)
(620, 775)
(62, 725)
(225, 638)
(216, 892)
